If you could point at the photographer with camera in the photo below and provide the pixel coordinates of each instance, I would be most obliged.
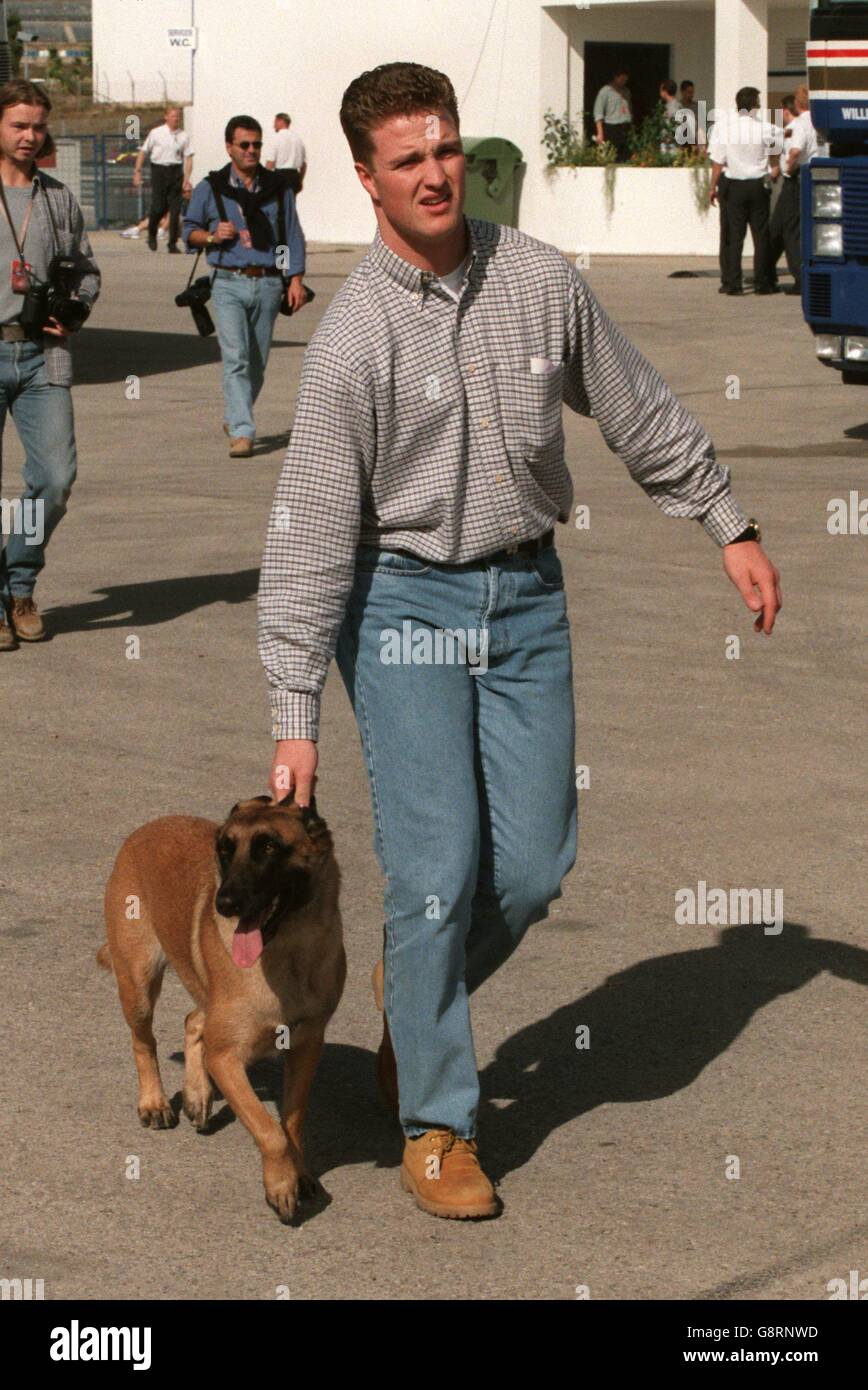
(48, 282)
(241, 214)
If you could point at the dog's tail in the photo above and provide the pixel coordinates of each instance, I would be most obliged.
(104, 957)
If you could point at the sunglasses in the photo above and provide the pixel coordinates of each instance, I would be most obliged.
(249, 144)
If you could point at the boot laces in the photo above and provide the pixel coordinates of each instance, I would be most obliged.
(444, 1140)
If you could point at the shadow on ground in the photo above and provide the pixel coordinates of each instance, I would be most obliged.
(653, 1029)
(113, 354)
(152, 601)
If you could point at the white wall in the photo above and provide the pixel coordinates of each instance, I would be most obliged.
(309, 63)
(791, 23)
(304, 57)
(130, 39)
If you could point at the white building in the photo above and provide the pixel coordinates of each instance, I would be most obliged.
(134, 57)
(508, 60)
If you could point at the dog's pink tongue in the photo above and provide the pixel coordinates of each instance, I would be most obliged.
(247, 946)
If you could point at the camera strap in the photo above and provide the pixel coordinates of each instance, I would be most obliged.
(193, 271)
(221, 213)
(19, 242)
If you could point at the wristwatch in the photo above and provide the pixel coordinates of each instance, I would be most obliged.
(212, 240)
(751, 532)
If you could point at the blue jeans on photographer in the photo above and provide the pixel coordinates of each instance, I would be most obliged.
(245, 308)
(471, 764)
(44, 420)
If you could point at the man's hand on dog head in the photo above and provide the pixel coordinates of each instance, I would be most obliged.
(294, 769)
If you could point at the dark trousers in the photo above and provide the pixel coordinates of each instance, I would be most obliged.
(722, 188)
(618, 135)
(785, 230)
(747, 204)
(167, 182)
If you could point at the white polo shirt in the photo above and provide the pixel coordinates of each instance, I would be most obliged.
(804, 139)
(744, 143)
(167, 146)
(286, 149)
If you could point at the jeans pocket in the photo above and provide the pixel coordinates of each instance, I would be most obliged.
(545, 567)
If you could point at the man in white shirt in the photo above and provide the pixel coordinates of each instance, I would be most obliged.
(749, 148)
(171, 156)
(286, 150)
(784, 229)
(671, 107)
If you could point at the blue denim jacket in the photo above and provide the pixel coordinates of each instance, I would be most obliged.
(202, 215)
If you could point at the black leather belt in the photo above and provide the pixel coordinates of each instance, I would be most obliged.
(523, 548)
(254, 272)
(499, 556)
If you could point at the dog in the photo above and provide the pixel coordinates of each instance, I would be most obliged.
(247, 913)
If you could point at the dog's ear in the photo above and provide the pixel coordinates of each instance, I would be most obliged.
(312, 820)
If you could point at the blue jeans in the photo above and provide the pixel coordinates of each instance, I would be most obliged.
(472, 774)
(43, 417)
(246, 309)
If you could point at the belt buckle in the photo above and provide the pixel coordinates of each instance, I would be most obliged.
(511, 549)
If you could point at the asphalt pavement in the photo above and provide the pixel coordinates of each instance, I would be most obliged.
(710, 1141)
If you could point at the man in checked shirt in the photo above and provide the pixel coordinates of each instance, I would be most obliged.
(419, 494)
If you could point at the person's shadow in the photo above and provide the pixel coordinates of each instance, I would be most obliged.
(152, 601)
(652, 1029)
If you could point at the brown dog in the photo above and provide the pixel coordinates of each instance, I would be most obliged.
(256, 938)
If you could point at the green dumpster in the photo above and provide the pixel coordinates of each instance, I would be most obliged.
(491, 179)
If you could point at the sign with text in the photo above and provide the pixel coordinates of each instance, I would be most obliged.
(182, 38)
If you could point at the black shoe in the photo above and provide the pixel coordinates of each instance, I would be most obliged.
(152, 242)
(768, 289)
(793, 289)
(174, 249)
(733, 291)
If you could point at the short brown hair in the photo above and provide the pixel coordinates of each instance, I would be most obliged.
(19, 92)
(392, 89)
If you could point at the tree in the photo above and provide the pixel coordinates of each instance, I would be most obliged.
(16, 47)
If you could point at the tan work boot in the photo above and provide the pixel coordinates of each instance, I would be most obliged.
(443, 1174)
(8, 640)
(26, 621)
(387, 1067)
(241, 448)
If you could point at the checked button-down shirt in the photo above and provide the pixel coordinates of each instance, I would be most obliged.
(435, 426)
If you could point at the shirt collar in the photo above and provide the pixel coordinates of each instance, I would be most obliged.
(239, 182)
(410, 277)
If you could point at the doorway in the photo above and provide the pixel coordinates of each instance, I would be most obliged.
(647, 64)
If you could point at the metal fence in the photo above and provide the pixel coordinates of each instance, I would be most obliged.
(99, 171)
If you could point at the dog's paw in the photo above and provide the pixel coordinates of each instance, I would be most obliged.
(160, 1116)
(281, 1180)
(197, 1109)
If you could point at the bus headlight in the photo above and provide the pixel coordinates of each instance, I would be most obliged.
(856, 349)
(828, 239)
(827, 345)
(826, 200)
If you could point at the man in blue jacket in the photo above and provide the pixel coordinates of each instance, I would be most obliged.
(244, 216)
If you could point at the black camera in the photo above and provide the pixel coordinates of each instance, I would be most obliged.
(195, 297)
(284, 307)
(54, 298)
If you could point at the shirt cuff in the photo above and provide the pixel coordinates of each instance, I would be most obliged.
(725, 520)
(295, 713)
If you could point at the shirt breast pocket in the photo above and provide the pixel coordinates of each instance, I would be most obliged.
(530, 408)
